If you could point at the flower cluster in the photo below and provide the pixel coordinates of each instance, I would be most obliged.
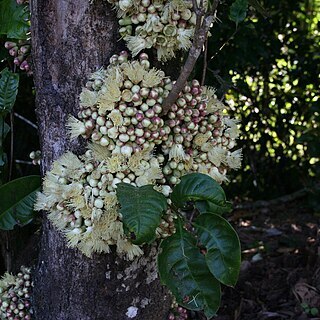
(133, 142)
(177, 312)
(120, 107)
(15, 292)
(201, 136)
(21, 53)
(167, 25)
(80, 194)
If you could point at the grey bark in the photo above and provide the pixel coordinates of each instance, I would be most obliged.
(72, 38)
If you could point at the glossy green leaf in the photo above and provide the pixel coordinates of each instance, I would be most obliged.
(9, 83)
(13, 19)
(223, 254)
(141, 209)
(238, 11)
(17, 200)
(200, 188)
(184, 271)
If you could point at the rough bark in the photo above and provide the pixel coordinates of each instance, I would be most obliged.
(72, 38)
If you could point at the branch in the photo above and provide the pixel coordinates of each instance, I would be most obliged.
(25, 120)
(203, 24)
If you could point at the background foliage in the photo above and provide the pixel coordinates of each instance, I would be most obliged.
(268, 67)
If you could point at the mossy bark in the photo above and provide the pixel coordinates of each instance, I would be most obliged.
(70, 39)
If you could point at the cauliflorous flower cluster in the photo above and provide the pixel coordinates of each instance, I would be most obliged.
(15, 292)
(201, 136)
(21, 52)
(133, 142)
(167, 25)
(120, 107)
(79, 193)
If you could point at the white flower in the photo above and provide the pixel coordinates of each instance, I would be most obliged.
(116, 117)
(217, 155)
(75, 127)
(234, 158)
(143, 180)
(113, 133)
(183, 37)
(214, 105)
(135, 44)
(177, 152)
(152, 78)
(126, 247)
(201, 138)
(88, 98)
(125, 4)
(216, 175)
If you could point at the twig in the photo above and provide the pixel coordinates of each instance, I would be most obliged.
(25, 120)
(205, 62)
(203, 23)
(11, 145)
(23, 162)
(224, 44)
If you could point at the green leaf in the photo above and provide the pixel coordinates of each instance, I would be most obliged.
(200, 188)
(13, 19)
(9, 83)
(141, 209)
(238, 11)
(223, 247)
(184, 271)
(17, 199)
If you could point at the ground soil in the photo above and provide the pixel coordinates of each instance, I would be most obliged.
(280, 272)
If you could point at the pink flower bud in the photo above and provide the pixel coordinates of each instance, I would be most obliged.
(153, 94)
(174, 108)
(195, 90)
(193, 103)
(216, 133)
(171, 115)
(157, 108)
(144, 92)
(144, 56)
(25, 49)
(156, 120)
(9, 44)
(149, 113)
(13, 51)
(139, 116)
(140, 140)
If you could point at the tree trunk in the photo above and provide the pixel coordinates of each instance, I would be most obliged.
(71, 39)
